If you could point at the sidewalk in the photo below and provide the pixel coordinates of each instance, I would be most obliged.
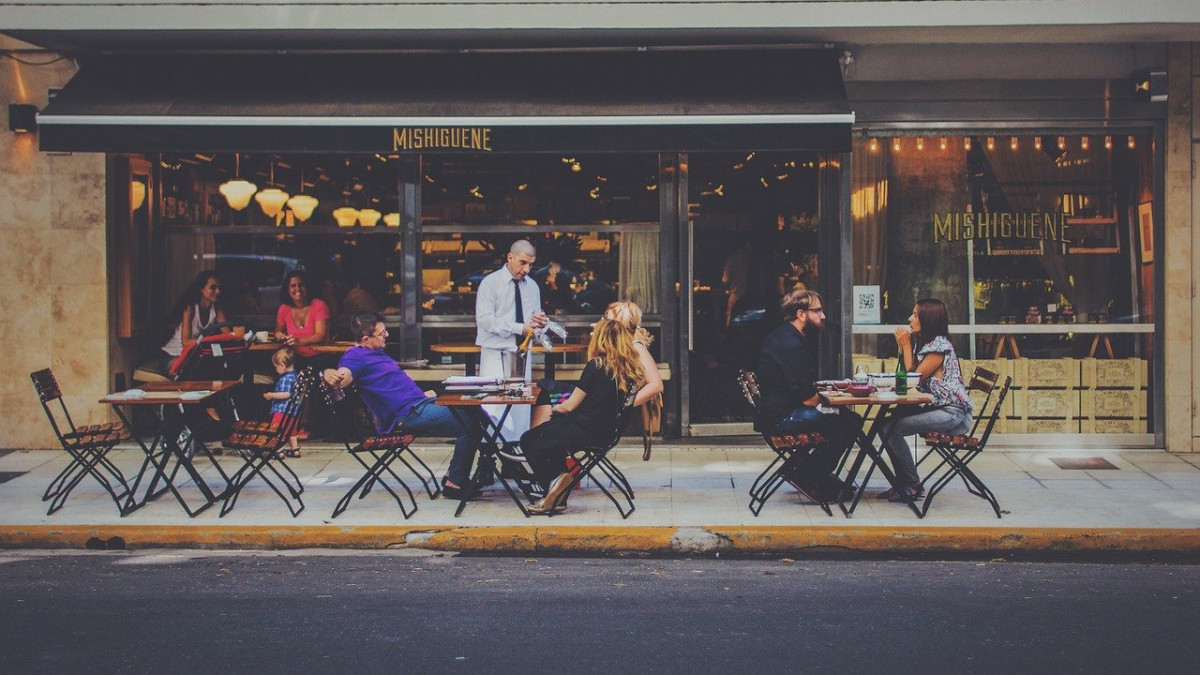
(691, 500)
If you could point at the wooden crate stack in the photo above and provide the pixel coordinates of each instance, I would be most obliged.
(1114, 397)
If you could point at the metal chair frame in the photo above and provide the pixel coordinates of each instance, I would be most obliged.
(88, 447)
(791, 450)
(261, 453)
(593, 458)
(384, 450)
(957, 451)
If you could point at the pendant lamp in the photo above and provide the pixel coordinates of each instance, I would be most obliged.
(272, 199)
(368, 217)
(237, 191)
(392, 219)
(303, 205)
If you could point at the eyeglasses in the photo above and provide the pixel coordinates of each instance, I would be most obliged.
(381, 335)
(816, 310)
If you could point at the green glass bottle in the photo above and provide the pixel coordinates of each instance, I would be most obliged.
(901, 375)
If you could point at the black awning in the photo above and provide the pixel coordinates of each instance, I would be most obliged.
(457, 102)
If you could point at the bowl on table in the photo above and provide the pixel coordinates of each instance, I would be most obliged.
(860, 389)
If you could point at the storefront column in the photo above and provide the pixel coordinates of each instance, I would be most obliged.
(1180, 262)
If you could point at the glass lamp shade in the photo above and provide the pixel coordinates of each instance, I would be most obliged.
(392, 219)
(303, 206)
(137, 194)
(368, 217)
(346, 216)
(237, 192)
(271, 201)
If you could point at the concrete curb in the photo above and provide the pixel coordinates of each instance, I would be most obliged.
(743, 541)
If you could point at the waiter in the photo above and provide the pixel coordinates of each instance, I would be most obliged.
(508, 306)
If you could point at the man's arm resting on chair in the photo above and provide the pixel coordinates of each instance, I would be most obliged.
(337, 377)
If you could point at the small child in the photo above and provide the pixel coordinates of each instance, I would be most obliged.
(283, 362)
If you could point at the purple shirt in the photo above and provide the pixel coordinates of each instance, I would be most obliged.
(386, 389)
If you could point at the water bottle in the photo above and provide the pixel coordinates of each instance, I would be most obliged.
(901, 375)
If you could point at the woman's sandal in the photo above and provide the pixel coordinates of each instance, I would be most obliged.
(293, 453)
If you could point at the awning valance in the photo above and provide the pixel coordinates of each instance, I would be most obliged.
(454, 102)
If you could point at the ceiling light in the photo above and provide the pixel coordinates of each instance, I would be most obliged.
(303, 206)
(1085, 143)
(237, 191)
(271, 201)
(346, 216)
(368, 217)
(392, 219)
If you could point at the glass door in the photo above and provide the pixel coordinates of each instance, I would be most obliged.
(752, 236)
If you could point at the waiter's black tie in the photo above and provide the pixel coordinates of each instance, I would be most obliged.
(517, 302)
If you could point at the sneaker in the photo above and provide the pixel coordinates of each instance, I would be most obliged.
(511, 452)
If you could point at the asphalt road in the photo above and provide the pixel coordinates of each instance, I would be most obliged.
(301, 612)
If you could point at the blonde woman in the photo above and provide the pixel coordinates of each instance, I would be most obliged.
(589, 415)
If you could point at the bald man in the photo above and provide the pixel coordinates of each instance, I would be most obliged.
(508, 305)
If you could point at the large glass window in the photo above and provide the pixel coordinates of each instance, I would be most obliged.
(1042, 248)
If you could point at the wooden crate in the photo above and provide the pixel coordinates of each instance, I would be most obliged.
(1115, 426)
(1048, 373)
(1007, 410)
(1122, 373)
(1049, 403)
(1043, 426)
(1003, 367)
(1122, 403)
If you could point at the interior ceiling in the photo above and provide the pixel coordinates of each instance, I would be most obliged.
(316, 40)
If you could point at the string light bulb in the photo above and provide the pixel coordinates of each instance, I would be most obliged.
(942, 143)
(920, 143)
(1037, 143)
(967, 143)
(1085, 143)
(1062, 142)
(874, 145)
(991, 143)
(896, 144)
(1012, 143)
(1131, 143)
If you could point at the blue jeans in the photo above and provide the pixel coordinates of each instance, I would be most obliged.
(430, 419)
(946, 420)
(839, 431)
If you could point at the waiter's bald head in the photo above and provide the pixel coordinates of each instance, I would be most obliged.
(520, 258)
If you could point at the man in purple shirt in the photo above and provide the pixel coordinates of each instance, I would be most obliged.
(395, 400)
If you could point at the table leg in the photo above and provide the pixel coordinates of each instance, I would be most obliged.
(472, 364)
(490, 441)
(867, 447)
(170, 451)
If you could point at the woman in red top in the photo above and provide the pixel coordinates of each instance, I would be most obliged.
(301, 321)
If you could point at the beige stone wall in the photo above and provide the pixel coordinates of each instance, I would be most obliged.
(1180, 255)
(54, 303)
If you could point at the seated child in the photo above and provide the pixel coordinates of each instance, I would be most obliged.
(283, 362)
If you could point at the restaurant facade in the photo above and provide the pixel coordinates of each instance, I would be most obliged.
(1043, 190)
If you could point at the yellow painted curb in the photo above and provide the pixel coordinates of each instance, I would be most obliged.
(602, 540)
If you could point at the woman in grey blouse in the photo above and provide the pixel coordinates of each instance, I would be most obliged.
(926, 349)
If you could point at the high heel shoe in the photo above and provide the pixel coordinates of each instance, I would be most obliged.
(558, 488)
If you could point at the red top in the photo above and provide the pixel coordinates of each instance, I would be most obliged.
(317, 311)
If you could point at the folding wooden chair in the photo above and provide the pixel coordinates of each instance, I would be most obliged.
(262, 452)
(791, 451)
(591, 461)
(383, 450)
(88, 447)
(958, 450)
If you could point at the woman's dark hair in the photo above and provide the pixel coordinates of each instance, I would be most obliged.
(284, 296)
(189, 296)
(931, 312)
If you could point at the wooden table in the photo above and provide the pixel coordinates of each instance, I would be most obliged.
(339, 347)
(467, 408)
(470, 352)
(866, 441)
(164, 450)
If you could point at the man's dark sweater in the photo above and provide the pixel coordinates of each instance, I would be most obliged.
(787, 371)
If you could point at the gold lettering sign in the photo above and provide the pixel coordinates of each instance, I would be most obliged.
(442, 138)
(1033, 226)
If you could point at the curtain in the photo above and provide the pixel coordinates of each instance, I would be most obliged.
(638, 260)
(868, 213)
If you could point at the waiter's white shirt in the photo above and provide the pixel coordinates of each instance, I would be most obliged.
(496, 326)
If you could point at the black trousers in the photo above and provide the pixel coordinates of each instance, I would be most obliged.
(546, 447)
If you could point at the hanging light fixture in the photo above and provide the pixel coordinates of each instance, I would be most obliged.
(392, 219)
(874, 145)
(368, 217)
(1037, 143)
(271, 199)
(1085, 143)
(1131, 143)
(942, 143)
(303, 205)
(920, 143)
(137, 194)
(1108, 142)
(237, 190)
(967, 143)
(346, 216)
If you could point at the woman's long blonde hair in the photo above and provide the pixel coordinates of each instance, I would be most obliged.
(612, 348)
(628, 314)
